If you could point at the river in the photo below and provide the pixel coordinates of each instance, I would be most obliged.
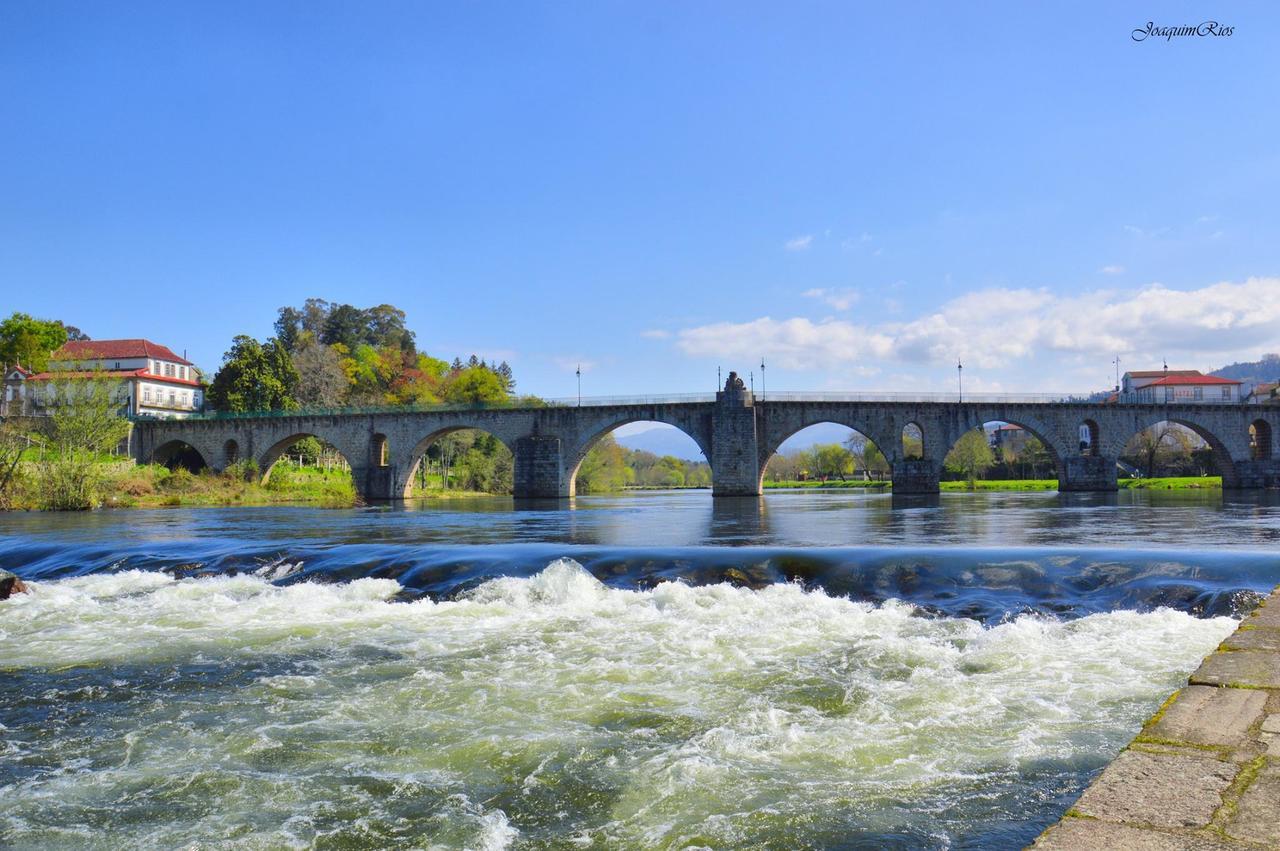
(648, 670)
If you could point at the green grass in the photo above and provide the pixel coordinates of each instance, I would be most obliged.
(1173, 483)
(1002, 485)
(830, 484)
(1168, 483)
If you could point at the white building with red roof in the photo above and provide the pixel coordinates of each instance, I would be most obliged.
(154, 381)
(1177, 386)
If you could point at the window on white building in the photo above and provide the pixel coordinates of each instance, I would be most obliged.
(171, 399)
(146, 394)
(1226, 392)
(168, 370)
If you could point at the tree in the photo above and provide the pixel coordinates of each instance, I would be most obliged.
(604, 469)
(322, 383)
(1164, 444)
(85, 422)
(475, 385)
(14, 439)
(1035, 455)
(971, 456)
(29, 341)
(832, 459)
(868, 456)
(288, 327)
(344, 325)
(254, 377)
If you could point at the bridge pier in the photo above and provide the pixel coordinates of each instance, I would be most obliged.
(735, 446)
(1087, 473)
(1258, 473)
(376, 483)
(539, 469)
(915, 476)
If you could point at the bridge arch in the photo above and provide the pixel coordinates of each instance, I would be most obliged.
(1221, 455)
(1090, 438)
(176, 454)
(1029, 426)
(862, 432)
(913, 442)
(404, 487)
(576, 454)
(268, 459)
(1261, 440)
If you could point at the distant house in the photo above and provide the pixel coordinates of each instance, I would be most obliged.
(153, 381)
(1177, 386)
(14, 402)
(1009, 436)
(1264, 394)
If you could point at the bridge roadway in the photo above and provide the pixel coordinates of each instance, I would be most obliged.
(737, 433)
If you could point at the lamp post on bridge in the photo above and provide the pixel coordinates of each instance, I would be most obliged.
(960, 380)
(579, 374)
(761, 379)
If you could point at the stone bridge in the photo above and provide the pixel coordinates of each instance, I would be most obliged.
(737, 433)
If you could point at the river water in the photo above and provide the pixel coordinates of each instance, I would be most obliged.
(650, 670)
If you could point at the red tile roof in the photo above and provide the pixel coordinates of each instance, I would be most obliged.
(107, 349)
(1157, 373)
(1195, 378)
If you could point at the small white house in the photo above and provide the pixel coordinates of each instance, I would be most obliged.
(1178, 386)
(153, 380)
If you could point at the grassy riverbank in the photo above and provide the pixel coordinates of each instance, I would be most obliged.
(1169, 483)
(125, 485)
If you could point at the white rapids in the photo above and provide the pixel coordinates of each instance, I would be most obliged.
(548, 712)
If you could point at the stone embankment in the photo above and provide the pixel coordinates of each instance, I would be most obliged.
(1204, 773)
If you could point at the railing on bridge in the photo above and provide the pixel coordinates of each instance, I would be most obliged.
(869, 396)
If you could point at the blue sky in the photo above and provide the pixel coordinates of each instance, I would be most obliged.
(861, 194)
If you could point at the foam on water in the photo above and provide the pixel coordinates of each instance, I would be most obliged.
(553, 711)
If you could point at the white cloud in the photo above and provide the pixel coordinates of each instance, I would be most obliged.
(1112, 270)
(791, 343)
(800, 243)
(999, 327)
(841, 298)
(655, 334)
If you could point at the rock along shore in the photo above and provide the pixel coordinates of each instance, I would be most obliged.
(1204, 772)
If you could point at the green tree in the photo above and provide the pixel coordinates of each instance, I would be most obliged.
(832, 459)
(868, 457)
(15, 437)
(475, 384)
(254, 377)
(604, 469)
(971, 456)
(29, 341)
(85, 421)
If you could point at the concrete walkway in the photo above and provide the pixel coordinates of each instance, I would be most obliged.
(1204, 773)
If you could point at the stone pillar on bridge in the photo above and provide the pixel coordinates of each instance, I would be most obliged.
(735, 450)
(915, 476)
(539, 469)
(1088, 473)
